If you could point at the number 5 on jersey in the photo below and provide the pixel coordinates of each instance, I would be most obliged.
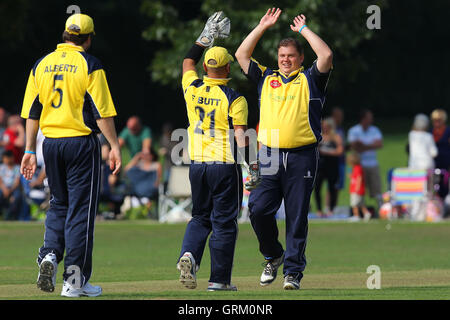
(59, 90)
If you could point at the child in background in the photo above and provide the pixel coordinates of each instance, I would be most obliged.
(357, 189)
(10, 193)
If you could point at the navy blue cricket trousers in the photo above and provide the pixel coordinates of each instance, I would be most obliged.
(292, 180)
(217, 198)
(73, 170)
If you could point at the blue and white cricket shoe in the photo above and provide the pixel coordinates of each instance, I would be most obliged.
(87, 290)
(188, 270)
(47, 273)
(269, 273)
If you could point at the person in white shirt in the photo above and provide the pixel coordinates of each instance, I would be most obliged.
(422, 148)
(365, 139)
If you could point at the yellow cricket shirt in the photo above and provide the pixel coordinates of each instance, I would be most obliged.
(67, 91)
(212, 110)
(290, 106)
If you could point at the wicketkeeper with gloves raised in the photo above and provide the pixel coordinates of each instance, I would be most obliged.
(215, 111)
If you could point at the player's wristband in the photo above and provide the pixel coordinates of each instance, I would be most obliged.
(30, 152)
(300, 30)
(195, 53)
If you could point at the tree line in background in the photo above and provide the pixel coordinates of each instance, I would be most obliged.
(398, 70)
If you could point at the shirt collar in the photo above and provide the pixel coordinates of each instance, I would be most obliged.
(67, 47)
(215, 81)
(292, 74)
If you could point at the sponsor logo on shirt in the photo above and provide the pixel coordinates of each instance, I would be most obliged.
(275, 84)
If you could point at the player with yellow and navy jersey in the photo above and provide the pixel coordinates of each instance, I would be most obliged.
(291, 103)
(215, 176)
(67, 96)
(213, 109)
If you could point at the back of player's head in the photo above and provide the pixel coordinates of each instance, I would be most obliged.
(79, 27)
(217, 57)
(291, 42)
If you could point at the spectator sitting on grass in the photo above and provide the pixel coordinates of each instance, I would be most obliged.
(357, 188)
(10, 193)
(144, 172)
(135, 136)
(422, 148)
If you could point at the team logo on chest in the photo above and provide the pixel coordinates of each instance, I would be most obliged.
(275, 84)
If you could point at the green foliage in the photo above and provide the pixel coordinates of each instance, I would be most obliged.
(342, 24)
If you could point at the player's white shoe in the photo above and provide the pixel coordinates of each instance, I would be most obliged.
(47, 273)
(214, 286)
(87, 290)
(291, 282)
(269, 273)
(188, 269)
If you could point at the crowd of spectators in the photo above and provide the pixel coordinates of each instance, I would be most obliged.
(140, 178)
(351, 155)
(428, 149)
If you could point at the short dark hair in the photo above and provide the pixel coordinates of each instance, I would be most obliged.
(78, 39)
(8, 154)
(291, 42)
(363, 113)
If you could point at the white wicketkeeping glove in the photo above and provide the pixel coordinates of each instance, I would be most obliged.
(217, 26)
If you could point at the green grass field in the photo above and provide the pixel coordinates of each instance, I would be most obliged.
(136, 260)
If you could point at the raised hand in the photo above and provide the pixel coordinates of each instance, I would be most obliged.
(218, 25)
(270, 18)
(299, 21)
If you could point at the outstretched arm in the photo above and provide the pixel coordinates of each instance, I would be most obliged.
(217, 26)
(320, 48)
(245, 50)
(192, 57)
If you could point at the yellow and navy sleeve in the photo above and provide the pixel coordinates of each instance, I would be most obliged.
(256, 71)
(319, 79)
(188, 77)
(239, 111)
(32, 107)
(97, 91)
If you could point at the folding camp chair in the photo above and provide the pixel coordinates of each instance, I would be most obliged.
(411, 188)
(178, 193)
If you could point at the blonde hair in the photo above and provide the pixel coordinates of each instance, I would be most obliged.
(330, 122)
(439, 114)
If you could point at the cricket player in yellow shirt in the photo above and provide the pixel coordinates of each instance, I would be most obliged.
(67, 96)
(214, 111)
(291, 103)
